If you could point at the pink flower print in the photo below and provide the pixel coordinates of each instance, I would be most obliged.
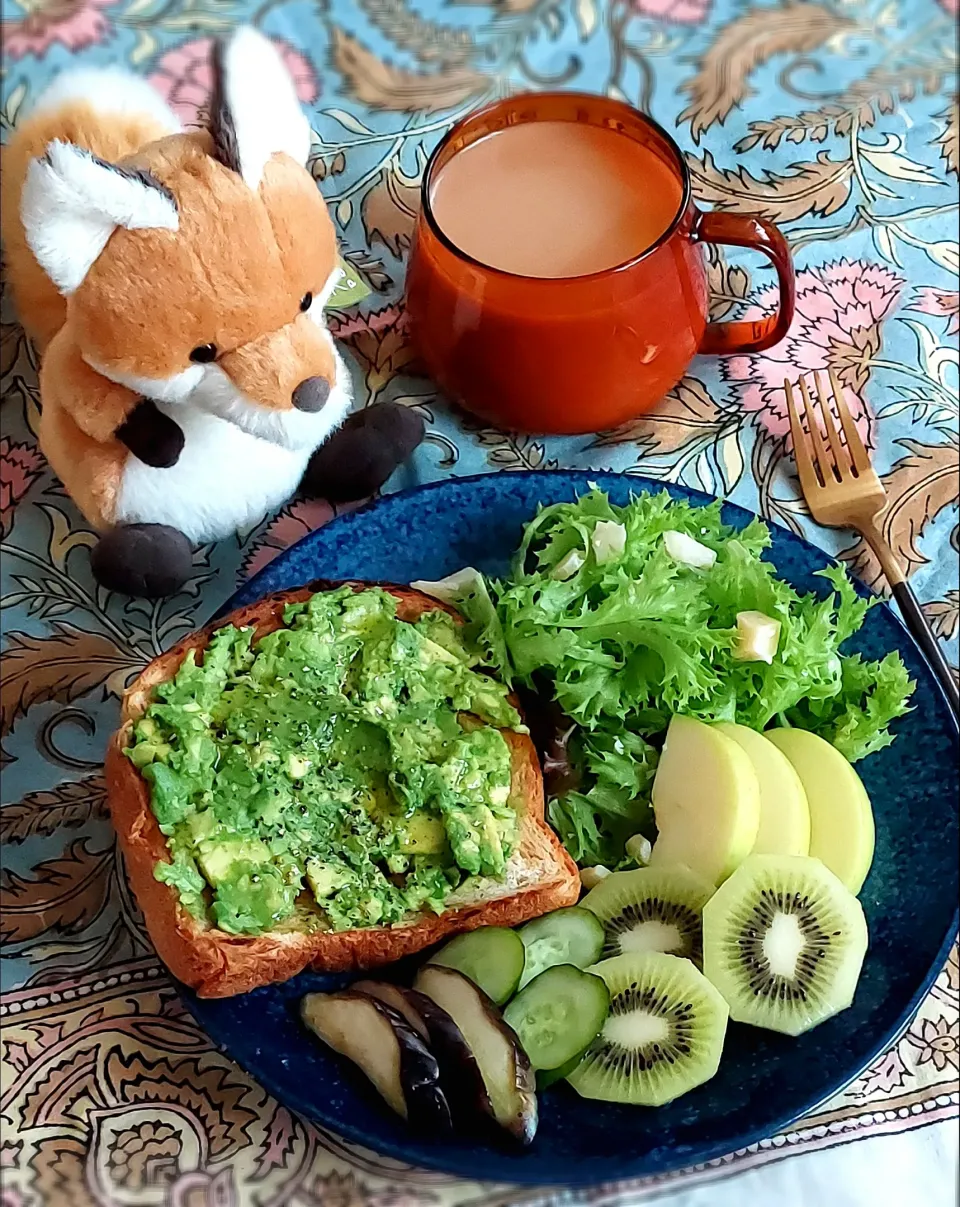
(75, 24)
(290, 526)
(347, 327)
(20, 466)
(183, 77)
(950, 6)
(840, 310)
(686, 12)
(939, 302)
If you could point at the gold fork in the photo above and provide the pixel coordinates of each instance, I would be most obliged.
(843, 491)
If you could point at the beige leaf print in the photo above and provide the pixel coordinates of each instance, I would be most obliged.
(878, 92)
(382, 85)
(944, 615)
(687, 412)
(41, 813)
(919, 487)
(949, 140)
(389, 209)
(426, 40)
(62, 666)
(820, 187)
(752, 39)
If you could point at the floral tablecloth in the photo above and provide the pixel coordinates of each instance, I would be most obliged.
(835, 118)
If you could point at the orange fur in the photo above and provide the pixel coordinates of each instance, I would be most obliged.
(91, 470)
(96, 405)
(41, 308)
(233, 274)
(222, 278)
(269, 369)
(291, 198)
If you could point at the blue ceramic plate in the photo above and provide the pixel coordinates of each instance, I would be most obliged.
(765, 1080)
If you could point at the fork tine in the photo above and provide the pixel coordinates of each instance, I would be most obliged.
(822, 460)
(858, 454)
(801, 453)
(840, 459)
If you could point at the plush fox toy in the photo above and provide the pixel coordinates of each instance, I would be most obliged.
(175, 283)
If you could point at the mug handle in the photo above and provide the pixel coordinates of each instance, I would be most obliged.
(748, 230)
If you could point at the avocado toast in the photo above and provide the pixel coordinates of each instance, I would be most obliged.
(348, 791)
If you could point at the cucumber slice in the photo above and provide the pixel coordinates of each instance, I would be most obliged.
(567, 936)
(492, 957)
(559, 1014)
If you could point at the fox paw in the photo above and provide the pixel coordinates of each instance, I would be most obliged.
(153, 437)
(146, 560)
(361, 455)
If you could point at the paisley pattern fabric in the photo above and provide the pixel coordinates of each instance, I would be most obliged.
(835, 118)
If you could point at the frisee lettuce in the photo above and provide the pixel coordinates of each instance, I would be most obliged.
(613, 803)
(626, 643)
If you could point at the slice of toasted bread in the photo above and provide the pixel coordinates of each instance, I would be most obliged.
(540, 875)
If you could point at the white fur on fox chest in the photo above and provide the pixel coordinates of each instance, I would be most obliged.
(227, 476)
(224, 479)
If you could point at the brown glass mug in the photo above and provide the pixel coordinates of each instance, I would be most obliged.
(584, 353)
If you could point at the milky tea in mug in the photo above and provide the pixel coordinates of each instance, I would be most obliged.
(557, 280)
(554, 199)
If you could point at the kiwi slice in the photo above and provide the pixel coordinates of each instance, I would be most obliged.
(663, 1035)
(784, 941)
(651, 909)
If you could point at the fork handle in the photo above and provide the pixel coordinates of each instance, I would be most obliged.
(920, 629)
(912, 613)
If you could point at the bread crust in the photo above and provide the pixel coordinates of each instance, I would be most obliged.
(218, 964)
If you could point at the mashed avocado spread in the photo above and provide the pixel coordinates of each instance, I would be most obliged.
(350, 756)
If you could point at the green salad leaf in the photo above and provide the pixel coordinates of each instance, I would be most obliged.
(626, 636)
(856, 720)
(595, 823)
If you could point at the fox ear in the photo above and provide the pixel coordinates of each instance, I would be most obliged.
(254, 111)
(72, 202)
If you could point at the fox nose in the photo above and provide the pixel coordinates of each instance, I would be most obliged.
(310, 395)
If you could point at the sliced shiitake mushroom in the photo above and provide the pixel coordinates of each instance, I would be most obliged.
(507, 1076)
(460, 1076)
(383, 1045)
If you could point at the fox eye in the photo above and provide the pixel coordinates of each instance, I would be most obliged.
(306, 301)
(204, 354)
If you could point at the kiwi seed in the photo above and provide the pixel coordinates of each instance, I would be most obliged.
(753, 931)
(651, 909)
(663, 1035)
(784, 942)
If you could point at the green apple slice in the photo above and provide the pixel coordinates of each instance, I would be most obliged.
(706, 800)
(841, 820)
(784, 813)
